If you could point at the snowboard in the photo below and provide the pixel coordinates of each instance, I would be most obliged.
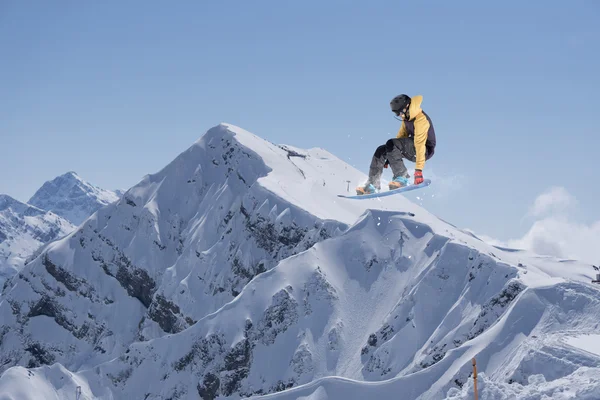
(425, 183)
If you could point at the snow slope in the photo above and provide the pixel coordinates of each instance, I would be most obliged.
(23, 229)
(72, 198)
(236, 271)
(49, 383)
(391, 301)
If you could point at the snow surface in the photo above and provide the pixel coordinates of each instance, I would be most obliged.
(236, 271)
(72, 198)
(590, 343)
(23, 230)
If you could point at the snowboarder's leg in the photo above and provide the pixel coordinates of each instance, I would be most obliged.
(375, 171)
(396, 151)
(377, 163)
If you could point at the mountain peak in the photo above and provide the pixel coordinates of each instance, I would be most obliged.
(70, 175)
(71, 197)
(67, 181)
(309, 178)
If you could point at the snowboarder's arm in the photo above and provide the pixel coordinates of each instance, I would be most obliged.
(402, 132)
(421, 129)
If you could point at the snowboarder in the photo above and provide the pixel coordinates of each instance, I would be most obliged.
(415, 142)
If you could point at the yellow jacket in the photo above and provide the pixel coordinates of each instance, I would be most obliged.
(420, 127)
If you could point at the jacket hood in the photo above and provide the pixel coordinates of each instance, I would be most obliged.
(415, 106)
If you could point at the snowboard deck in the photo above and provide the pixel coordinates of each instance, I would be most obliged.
(426, 182)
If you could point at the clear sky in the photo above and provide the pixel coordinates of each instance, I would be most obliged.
(115, 90)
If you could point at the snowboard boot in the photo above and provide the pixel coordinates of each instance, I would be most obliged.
(366, 189)
(398, 182)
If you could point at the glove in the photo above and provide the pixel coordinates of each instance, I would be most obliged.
(386, 164)
(418, 176)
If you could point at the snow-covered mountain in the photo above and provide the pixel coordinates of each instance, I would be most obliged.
(236, 271)
(72, 198)
(23, 229)
(54, 210)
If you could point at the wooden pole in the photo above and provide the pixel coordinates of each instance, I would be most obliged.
(475, 378)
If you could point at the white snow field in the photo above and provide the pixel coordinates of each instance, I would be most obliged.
(237, 272)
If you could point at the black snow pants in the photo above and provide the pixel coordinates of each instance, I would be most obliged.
(394, 151)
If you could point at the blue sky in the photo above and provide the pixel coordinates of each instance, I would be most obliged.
(115, 90)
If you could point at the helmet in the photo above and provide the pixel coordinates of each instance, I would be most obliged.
(399, 103)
